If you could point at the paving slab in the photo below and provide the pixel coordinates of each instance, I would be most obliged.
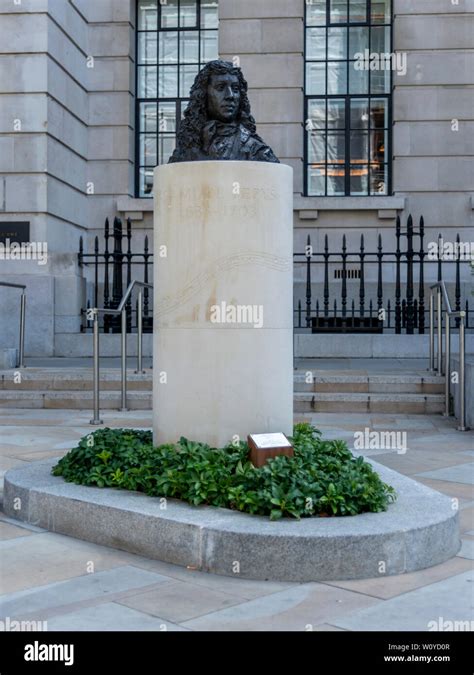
(461, 491)
(467, 549)
(326, 627)
(447, 600)
(247, 589)
(466, 520)
(180, 601)
(426, 464)
(47, 557)
(384, 587)
(8, 531)
(462, 473)
(300, 608)
(110, 616)
(85, 587)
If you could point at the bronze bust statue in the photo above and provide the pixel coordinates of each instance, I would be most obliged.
(217, 123)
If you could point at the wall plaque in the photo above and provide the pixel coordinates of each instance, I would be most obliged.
(15, 231)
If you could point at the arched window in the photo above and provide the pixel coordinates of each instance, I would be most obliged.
(348, 82)
(175, 38)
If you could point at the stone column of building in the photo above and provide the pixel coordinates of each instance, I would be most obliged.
(433, 114)
(43, 138)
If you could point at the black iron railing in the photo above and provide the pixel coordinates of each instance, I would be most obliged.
(391, 301)
(405, 311)
(121, 265)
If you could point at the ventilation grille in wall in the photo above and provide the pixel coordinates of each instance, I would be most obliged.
(348, 274)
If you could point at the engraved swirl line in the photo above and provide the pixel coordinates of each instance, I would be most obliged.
(192, 288)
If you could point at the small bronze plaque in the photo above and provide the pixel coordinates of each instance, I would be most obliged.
(266, 446)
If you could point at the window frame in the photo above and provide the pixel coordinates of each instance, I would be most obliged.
(180, 102)
(388, 96)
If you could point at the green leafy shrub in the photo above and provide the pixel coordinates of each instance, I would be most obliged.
(322, 479)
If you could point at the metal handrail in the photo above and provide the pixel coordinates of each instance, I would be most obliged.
(442, 296)
(93, 315)
(21, 350)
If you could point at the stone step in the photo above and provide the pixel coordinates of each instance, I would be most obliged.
(303, 402)
(363, 402)
(80, 379)
(396, 384)
(73, 400)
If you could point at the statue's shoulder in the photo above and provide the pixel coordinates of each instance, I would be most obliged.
(255, 147)
(245, 134)
(187, 154)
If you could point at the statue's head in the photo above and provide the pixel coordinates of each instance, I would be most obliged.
(219, 93)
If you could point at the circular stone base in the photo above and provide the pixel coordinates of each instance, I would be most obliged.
(419, 530)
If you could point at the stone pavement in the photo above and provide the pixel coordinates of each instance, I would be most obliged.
(76, 585)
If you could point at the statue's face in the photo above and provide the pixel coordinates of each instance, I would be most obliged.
(223, 97)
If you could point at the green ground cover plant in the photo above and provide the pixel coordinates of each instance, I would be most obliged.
(322, 479)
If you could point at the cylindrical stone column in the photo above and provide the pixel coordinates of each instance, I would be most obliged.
(223, 301)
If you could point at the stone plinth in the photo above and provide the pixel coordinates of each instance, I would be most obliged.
(223, 342)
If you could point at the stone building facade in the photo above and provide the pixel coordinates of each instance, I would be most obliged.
(68, 134)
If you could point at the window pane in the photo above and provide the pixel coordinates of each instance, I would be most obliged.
(378, 146)
(169, 14)
(380, 40)
(358, 41)
(338, 11)
(316, 13)
(379, 179)
(146, 182)
(317, 114)
(188, 14)
(379, 113)
(166, 145)
(168, 47)
(359, 113)
(168, 82)
(336, 147)
(316, 78)
(316, 180)
(358, 11)
(358, 80)
(182, 105)
(337, 43)
(187, 75)
(148, 150)
(147, 48)
(189, 47)
(167, 116)
(336, 114)
(209, 50)
(316, 43)
(316, 147)
(380, 81)
(148, 117)
(336, 180)
(359, 180)
(147, 14)
(337, 77)
(359, 147)
(381, 11)
(209, 14)
(147, 77)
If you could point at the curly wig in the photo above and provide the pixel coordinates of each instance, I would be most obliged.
(196, 116)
